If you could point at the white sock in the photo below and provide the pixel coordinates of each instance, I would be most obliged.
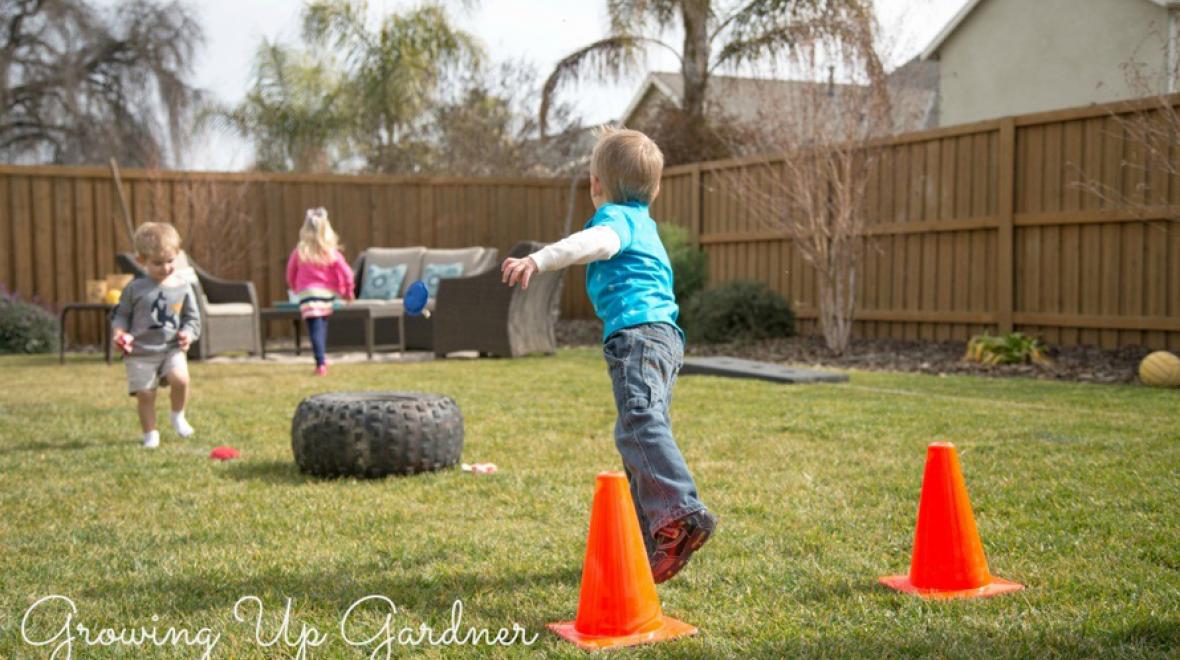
(151, 439)
(181, 425)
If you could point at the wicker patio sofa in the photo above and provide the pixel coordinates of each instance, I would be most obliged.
(228, 309)
(344, 334)
(483, 314)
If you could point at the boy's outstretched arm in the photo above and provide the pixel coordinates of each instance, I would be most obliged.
(593, 244)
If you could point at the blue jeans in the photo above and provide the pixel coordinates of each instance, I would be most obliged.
(317, 332)
(643, 361)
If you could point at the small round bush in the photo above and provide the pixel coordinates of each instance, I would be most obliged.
(739, 310)
(26, 327)
(690, 266)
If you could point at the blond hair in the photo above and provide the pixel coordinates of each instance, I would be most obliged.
(317, 242)
(156, 239)
(628, 163)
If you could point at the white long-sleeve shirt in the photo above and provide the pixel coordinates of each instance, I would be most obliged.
(593, 244)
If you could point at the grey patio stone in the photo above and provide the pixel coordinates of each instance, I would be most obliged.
(738, 368)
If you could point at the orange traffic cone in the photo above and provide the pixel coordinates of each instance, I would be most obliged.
(948, 559)
(618, 605)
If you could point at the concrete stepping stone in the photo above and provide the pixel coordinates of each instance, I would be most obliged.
(738, 368)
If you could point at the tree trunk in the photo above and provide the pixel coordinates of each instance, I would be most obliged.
(694, 67)
(837, 295)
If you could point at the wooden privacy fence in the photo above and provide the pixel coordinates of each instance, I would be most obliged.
(981, 227)
(972, 228)
(61, 226)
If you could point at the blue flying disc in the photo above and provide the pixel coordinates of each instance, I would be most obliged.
(415, 299)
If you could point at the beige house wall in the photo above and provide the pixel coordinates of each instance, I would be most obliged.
(1012, 57)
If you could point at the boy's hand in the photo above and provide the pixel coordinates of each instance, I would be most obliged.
(123, 340)
(518, 270)
(184, 340)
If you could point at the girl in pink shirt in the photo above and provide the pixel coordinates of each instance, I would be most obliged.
(318, 274)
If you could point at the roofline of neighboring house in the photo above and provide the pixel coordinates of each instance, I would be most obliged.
(652, 81)
(958, 19)
(950, 27)
(648, 82)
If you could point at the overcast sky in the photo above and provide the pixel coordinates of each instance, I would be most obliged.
(540, 31)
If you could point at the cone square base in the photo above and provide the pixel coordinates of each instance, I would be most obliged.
(669, 628)
(996, 587)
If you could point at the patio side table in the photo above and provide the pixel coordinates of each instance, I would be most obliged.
(284, 313)
(85, 307)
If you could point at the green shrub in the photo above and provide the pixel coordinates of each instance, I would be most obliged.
(25, 327)
(739, 310)
(690, 266)
(1010, 348)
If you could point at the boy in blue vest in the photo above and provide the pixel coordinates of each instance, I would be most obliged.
(629, 281)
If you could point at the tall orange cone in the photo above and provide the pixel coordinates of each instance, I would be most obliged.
(618, 605)
(948, 559)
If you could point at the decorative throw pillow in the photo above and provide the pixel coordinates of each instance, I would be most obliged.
(383, 283)
(432, 273)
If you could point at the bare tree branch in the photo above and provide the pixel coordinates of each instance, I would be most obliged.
(105, 81)
(1148, 133)
(813, 188)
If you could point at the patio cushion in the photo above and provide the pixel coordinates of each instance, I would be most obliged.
(229, 309)
(471, 258)
(432, 273)
(411, 257)
(395, 304)
(382, 283)
(185, 270)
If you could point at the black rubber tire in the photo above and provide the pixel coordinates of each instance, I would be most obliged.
(374, 434)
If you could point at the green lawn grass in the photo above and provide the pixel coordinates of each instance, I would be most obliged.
(1076, 492)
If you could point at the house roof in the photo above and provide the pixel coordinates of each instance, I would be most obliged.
(668, 84)
(754, 99)
(737, 97)
(970, 6)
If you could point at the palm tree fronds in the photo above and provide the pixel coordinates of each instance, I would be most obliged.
(770, 43)
(633, 16)
(606, 59)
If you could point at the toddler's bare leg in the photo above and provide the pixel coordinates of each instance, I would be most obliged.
(178, 381)
(146, 400)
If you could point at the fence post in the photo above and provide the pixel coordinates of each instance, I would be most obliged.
(1006, 208)
(695, 205)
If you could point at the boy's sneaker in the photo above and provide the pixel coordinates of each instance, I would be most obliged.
(151, 439)
(676, 542)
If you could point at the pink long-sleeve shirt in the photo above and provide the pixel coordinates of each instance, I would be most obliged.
(335, 276)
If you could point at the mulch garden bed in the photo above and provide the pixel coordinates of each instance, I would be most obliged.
(1075, 363)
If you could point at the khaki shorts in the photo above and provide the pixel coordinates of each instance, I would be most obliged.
(147, 372)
